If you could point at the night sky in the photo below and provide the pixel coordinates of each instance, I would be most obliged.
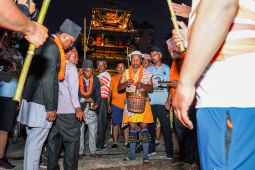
(155, 12)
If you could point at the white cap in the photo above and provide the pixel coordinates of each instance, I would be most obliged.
(135, 53)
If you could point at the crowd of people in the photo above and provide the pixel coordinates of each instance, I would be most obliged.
(15, 25)
(214, 130)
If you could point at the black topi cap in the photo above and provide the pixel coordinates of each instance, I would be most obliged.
(71, 28)
(155, 49)
(87, 64)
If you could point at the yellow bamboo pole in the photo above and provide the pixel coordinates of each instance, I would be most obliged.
(174, 21)
(84, 40)
(127, 57)
(30, 54)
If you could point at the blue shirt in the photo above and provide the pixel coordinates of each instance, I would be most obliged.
(8, 84)
(160, 93)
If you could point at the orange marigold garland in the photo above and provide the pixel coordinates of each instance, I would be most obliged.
(82, 86)
(140, 75)
(61, 73)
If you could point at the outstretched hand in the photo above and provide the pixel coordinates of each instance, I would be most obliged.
(36, 34)
(182, 100)
(181, 10)
(182, 36)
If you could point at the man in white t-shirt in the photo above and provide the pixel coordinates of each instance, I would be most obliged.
(105, 82)
(216, 69)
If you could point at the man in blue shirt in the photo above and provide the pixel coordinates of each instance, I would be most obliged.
(161, 72)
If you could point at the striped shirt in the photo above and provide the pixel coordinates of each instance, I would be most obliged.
(232, 67)
(105, 78)
(241, 36)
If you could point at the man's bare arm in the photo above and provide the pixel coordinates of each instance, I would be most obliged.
(122, 83)
(12, 18)
(168, 102)
(212, 17)
(109, 97)
(181, 10)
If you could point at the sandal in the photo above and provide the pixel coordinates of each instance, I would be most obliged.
(127, 160)
(95, 155)
(146, 162)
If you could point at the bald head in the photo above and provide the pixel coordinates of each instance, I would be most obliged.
(72, 56)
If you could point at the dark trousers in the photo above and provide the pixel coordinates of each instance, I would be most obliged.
(7, 113)
(102, 123)
(66, 131)
(187, 139)
(163, 115)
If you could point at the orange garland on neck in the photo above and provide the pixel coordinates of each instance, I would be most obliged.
(140, 74)
(82, 87)
(61, 73)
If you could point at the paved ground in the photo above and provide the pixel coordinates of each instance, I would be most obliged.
(111, 158)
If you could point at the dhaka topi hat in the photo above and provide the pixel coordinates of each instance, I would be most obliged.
(71, 28)
(87, 64)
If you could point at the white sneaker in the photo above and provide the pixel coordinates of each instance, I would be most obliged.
(152, 153)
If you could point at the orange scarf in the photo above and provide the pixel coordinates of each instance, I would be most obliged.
(61, 73)
(82, 87)
(140, 74)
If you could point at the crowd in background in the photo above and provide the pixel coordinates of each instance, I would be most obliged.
(64, 99)
(112, 101)
(11, 62)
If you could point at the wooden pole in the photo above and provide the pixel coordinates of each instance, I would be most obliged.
(84, 40)
(30, 54)
(174, 21)
(127, 58)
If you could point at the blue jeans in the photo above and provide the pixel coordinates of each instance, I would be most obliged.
(226, 138)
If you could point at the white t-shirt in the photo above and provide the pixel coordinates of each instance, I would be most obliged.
(230, 82)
